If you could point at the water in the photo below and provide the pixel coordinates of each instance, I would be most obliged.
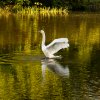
(26, 75)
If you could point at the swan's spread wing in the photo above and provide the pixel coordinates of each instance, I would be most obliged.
(57, 44)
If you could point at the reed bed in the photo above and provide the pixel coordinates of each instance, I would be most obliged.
(5, 11)
(33, 10)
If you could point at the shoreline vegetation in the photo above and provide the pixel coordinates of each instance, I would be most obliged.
(33, 10)
(37, 8)
(53, 7)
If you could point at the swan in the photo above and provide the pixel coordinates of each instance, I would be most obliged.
(54, 46)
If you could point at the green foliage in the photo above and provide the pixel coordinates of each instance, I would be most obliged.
(2, 3)
(23, 2)
(16, 8)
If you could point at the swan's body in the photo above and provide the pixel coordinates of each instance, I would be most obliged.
(54, 46)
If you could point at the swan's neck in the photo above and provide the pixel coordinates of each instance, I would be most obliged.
(43, 38)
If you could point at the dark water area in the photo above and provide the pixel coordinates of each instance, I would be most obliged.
(25, 74)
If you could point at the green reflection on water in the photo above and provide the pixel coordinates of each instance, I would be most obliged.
(21, 66)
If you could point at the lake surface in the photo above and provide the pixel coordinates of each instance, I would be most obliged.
(25, 74)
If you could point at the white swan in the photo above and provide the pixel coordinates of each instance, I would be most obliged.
(54, 46)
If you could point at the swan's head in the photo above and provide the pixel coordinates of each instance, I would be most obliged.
(41, 31)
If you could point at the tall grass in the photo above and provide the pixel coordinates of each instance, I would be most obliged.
(17, 9)
(45, 10)
(5, 11)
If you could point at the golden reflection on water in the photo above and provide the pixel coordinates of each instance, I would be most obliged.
(21, 74)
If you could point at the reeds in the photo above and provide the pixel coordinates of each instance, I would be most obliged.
(5, 11)
(33, 10)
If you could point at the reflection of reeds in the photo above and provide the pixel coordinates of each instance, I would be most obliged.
(85, 42)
